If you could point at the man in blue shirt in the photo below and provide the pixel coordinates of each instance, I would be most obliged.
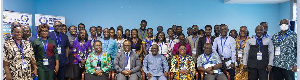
(63, 44)
(225, 46)
(109, 45)
(155, 65)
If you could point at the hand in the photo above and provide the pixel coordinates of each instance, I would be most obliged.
(56, 69)
(210, 72)
(97, 72)
(208, 69)
(294, 69)
(149, 75)
(232, 65)
(245, 67)
(185, 72)
(269, 67)
(8, 77)
(129, 72)
(82, 62)
(124, 72)
(166, 74)
(35, 72)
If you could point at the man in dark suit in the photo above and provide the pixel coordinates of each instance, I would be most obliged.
(206, 39)
(127, 63)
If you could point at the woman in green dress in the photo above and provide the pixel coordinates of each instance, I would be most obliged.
(45, 51)
(98, 63)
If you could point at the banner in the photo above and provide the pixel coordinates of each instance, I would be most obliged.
(10, 17)
(48, 19)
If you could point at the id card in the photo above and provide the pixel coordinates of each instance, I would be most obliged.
(194, 51)
(59, 50)
(259, 56)
(133, 50)
(240, 54)
(45, 62)
(24, 65)
(277, 51)
(98, 68)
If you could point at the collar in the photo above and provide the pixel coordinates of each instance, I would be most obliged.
(287, 32)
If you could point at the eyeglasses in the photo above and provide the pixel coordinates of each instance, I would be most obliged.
(182, 49)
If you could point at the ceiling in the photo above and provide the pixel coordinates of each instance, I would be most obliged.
(255, 1)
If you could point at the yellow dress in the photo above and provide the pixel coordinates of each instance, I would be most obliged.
(240, 74)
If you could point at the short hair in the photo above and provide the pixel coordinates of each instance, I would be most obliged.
(178, 27)
(208, 26)
(126, 41)
(189, 28)
(99, 27)
(181, 45)
(15, 25)
(201, 30)
(170, 29)
(119, 30)
(42, 26)
(97, 41)
(149, 29)
(81, 24)
(181, 34)
(144, 21)
(263, 23)
(127, 30)
(112, 28)
(71, 26)
(92, 27)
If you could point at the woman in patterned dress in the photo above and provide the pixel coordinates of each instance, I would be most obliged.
(182, 65)
(81, 49)
(98, 64)
(18, 56)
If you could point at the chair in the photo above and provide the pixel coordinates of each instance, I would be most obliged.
(111, 75)
(224, 71)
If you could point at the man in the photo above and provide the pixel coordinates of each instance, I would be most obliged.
(63, 49)
(81, 26)
(285, 60)
(127, 63)
(155, 65)
(174, 30)
(147, 42)
(189, 31)
(93, 33)
(225, 46)
(217, 30)
(265, 25)
(258, 55)
(109, 45)
(210, 63)
(233, 33)
(27, 33)
(193, 41)
(142, 32)
(178, 30)
(206, 39)
(99, 32)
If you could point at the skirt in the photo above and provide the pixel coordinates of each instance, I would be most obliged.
(73, 70)
(88, 76)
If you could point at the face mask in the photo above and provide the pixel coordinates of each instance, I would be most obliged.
(284, 27)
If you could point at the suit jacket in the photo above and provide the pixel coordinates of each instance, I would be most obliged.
(201, 43)
(135, 63)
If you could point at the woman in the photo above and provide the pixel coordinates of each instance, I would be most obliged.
(182, 65)
(45, 51)
(119, 40)
(136, 42)
(182, 41)
(127, 34)
(98, 64)
(164, 48)
(81, 49)
(18, 56)
(112, 34)
(72, 37)
(171, 39)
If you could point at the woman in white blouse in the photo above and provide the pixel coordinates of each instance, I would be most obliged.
(163, 45)
(120, 40)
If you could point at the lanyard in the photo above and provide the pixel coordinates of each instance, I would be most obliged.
(107, 43)
(58, 41)
(99, 59)
(279, 40)
(120, 43)
(45, 47)
(142, 34)
(93, 40)
(208, 57)
(222, 43)
(241, 42)
(161, 47)
(258, 42)
(194, 40)
(207, 39)
(170, 41)
(21, 49)
(135, 42)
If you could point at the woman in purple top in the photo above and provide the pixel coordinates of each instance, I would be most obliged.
(81, 49)
(182, 41)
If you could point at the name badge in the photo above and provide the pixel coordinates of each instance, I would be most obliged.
(24, 65)
(194, 51)
(45, 62)
(98, 68)
(59, 50)
(240, 54)
(277, 51)
(133, 50)
(259, 56)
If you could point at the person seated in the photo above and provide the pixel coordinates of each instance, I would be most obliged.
(183, 65)
(155, 65)
(127, 63)
(98, 63)
(210, 63)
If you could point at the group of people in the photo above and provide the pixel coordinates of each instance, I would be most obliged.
(61, 55)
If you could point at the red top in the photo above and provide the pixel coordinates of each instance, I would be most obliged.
(176, 50)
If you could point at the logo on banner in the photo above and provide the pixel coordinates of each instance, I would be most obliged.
(43, 20)
(24, 18)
